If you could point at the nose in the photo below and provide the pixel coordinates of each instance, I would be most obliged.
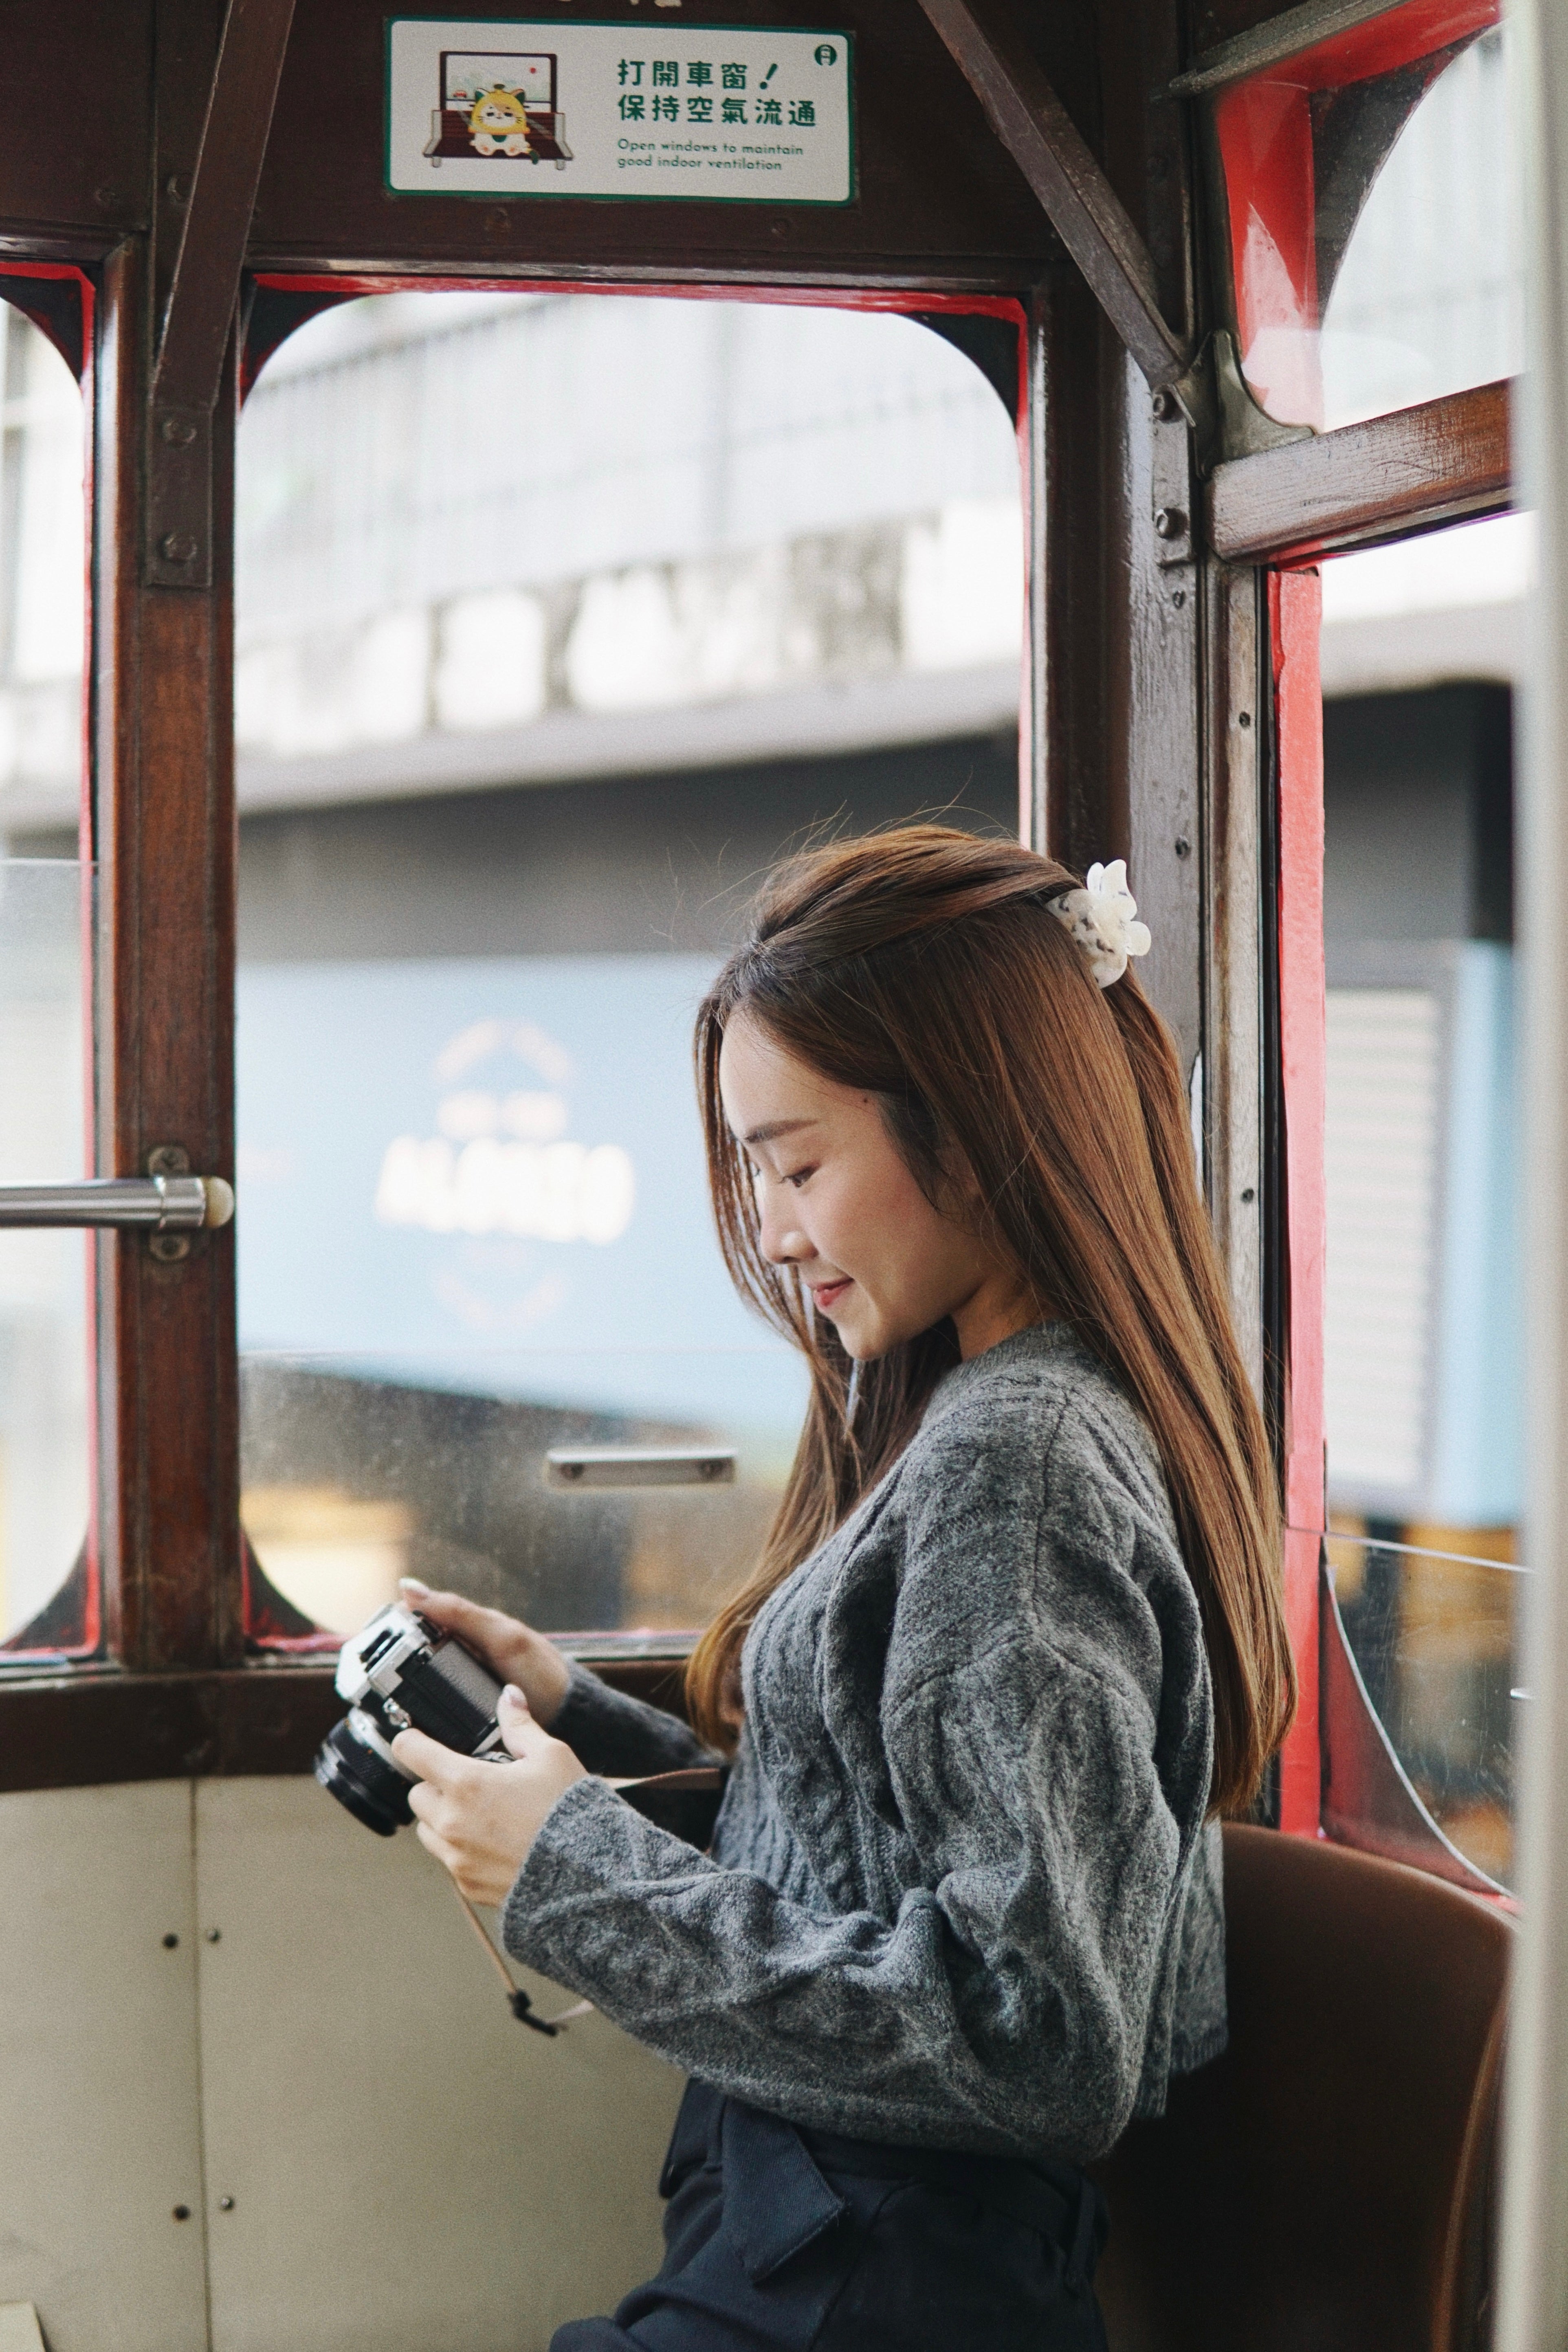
(781, 1241)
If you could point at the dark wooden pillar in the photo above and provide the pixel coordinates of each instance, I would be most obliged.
(164, 838)
(1117, 596)
(1074, 811)
(1154, 584)
(1150, 723)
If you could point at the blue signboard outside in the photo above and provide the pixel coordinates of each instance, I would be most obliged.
(487, 1175)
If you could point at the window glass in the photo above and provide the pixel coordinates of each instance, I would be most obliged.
(1429, 296)
(42, 567)
(48, 1593)
(1373, 218)
(43, 1276)
(1435, 1636)
(1422, 651)
(534, 680)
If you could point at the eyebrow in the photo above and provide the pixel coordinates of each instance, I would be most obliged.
(776, 1126)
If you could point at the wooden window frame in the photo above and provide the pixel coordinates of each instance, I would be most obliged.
(1164, 677)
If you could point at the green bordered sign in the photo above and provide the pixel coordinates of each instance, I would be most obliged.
(491, 107)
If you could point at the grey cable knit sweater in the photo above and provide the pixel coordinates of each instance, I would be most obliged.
(961, 1894)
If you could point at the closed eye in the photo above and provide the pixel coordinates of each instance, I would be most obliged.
(798, 1176)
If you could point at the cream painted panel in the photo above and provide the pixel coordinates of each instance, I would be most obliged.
(98, 2069)
(412, 2170)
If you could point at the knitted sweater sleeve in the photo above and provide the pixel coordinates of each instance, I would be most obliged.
(1008, 1996)
(611, 1732)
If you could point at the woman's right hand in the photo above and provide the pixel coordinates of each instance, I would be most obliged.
(512, 1651)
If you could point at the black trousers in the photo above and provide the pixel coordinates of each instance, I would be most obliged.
(783, 2240)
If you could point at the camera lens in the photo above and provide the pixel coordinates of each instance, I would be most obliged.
(350, 1768)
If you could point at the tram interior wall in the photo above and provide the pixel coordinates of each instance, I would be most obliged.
(226, 2001)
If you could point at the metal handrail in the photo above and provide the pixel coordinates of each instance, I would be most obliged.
(158, 1205)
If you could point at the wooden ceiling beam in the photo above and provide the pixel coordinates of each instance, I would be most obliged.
(205, 284)
(1390, 478)
(1082, 206)
(1275, 40)
(199, 315)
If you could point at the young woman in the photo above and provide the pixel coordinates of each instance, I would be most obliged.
(1014, 1641)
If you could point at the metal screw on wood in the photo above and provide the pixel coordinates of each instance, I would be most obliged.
(1164, 406)
(168, 1159)
(1170, 522)
(226, 2204)
(1184, 847)
(178, 185)
(178, 432)
(177, 547)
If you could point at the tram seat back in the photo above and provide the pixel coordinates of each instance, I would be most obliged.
(1325, 2185)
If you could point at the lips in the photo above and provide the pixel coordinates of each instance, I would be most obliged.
(830, 1293)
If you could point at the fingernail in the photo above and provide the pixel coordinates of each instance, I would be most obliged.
(411, 1584)
(516, 1697)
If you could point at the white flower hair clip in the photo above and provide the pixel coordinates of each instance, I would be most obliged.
(1104, 919)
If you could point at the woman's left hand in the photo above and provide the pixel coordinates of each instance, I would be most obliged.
(480, 1820)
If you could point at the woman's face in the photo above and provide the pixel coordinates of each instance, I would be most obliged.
(835, 1201)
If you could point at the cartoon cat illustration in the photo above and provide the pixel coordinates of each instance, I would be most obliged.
(497, 123)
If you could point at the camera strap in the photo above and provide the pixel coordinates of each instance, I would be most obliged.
(517, 2001)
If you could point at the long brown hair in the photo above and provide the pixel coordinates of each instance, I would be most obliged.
(924, 966)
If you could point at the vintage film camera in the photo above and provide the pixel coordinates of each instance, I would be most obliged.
(400, 1671)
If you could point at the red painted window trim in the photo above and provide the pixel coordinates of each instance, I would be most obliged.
(1265, 132)
(264, 1631)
